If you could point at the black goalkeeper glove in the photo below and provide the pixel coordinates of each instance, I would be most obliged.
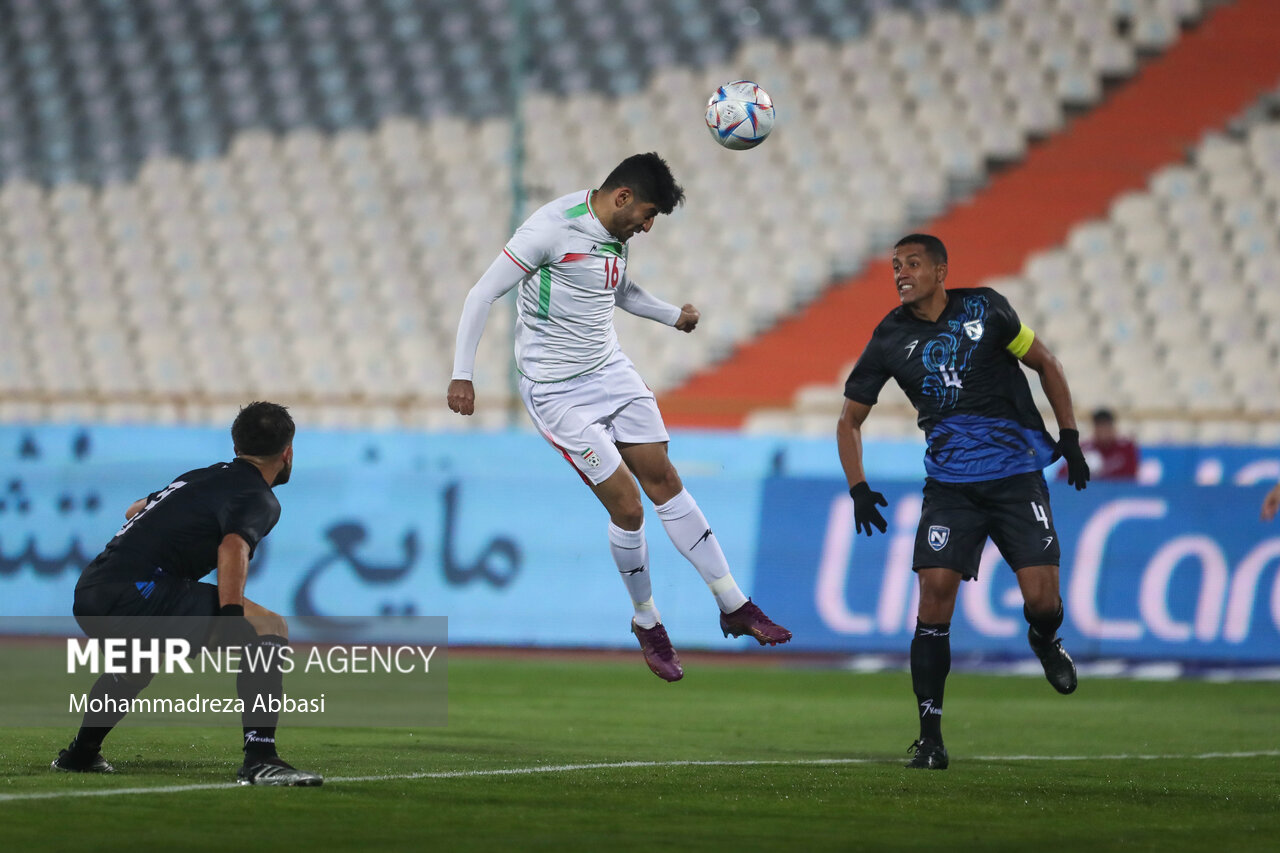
(1069, 448)
(231, 628)
(865, 514)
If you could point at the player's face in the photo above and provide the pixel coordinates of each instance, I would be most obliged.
(633, 217)
(915, 274)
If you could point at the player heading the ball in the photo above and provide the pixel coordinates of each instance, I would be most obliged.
(569, 261)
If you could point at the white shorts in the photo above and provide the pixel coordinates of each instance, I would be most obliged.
(583, 417)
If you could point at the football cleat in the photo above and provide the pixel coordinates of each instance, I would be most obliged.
(750, 620)
(930, 755)
(275, 771)
(1058, 666)
(658, 653)
(72, 762)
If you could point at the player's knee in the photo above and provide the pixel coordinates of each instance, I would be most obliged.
(935, 594)
(934, 613)
(1039, 591)
(629, 514)
(937, 603)
(670, 483)
(663, 484)
(1043, 605)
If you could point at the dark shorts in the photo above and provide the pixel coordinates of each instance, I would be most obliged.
(162, 607)
(957, 519)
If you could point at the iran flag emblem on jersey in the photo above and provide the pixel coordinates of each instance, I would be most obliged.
(589, 456)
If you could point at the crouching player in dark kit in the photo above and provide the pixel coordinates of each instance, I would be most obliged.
(958, 355)
(148, 576)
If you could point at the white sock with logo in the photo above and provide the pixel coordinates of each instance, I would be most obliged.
(631, 554)
(692, 536)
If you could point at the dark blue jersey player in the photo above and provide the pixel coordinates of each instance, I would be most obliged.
(146, 585)
(958, 355)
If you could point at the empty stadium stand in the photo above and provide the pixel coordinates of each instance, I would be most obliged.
(218, 199)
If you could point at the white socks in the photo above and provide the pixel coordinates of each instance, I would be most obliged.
(692, 536)
(631, 554)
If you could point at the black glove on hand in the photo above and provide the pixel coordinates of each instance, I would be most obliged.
(1069, 448)
(231, 628)
(865, 513)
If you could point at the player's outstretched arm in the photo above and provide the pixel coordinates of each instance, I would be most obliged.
(1271, 503)
(502, 275)
(1054, 381)
(849, 443)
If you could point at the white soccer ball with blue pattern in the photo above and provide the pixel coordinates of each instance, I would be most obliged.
(740, 115)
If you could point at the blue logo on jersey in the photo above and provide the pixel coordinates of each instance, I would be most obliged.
(145, 588)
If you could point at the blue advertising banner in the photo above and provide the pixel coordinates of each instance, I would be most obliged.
(496, 532)
(1181, 572)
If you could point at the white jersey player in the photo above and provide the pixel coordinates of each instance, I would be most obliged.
(569, 261)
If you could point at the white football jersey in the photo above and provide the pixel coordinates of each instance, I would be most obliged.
(564, 306)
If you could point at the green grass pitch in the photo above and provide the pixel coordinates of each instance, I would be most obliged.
(1030, 770)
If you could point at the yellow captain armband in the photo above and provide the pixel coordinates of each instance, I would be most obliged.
(1021, 341)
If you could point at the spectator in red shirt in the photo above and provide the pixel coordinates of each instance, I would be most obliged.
(1110, 455)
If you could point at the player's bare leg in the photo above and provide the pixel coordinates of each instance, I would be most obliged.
(692, 536)
(1043, 611)
(931, 662)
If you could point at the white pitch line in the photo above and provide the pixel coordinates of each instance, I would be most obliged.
(621, 765)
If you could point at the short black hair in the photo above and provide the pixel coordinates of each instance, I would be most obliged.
(1104, 416)
(650, 178)
(262, 429)
(932, 246)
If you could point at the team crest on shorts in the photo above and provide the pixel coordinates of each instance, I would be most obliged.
(938, 536)
(589, 456)
(973, 329)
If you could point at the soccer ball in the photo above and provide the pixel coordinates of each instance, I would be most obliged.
(740, 115)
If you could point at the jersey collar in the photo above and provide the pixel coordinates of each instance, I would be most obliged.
(595, 224)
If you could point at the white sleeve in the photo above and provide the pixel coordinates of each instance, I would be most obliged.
(634, 299)
(502, 275)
